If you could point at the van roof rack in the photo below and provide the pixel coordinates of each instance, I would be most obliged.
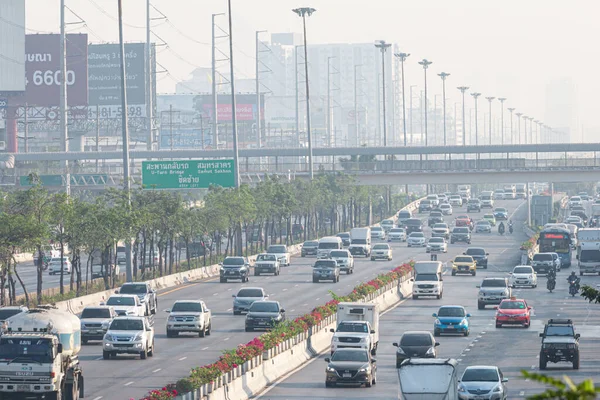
(560, 321)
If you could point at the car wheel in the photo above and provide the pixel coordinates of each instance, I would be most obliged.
(84, 341)
(151, 352)
(369, 383)
(372, 258)
(374, 382)
(144, 354)
(480, 306)
(474, 273)
(106, 355)
(576, 361)
(453, 273)
(543, 362)
(467, 332)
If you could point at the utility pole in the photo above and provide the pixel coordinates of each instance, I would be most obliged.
(476, 96)
(64, 126)
(258, 109)
(519, 123)
(236, 167)
(215, 95)
(149, 91)
(490, 99)
(402, 57)
(463, 89)
(410, 115)
(444, 75)
(383, 46)
(297, 94)
(97, 136)
(425, 64)
(26, 129)
(171, 124)
(328, 114)
(501, 100)
(357, 130)
(512, 133)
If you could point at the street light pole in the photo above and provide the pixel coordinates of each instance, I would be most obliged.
(356, 130)
(512, 136)
(463, 89)
(215, 95)
(501, 100)
(476, 96)
(236, 167)
(328, 115)
(444, 75)
(490, 99)
(402, 57)
(531, 129)
(519, 124)
(258, 127)
(303, 12)
(410, 115)
(383, 46)
(425, 64)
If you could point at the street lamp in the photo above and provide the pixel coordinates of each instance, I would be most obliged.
(537, 132)
(490, 99)
(444, 75)
(425, 64)
(519, 124)
(525, 118)
(402, 57)
(383, 46)
(512, 136)
(476, 96)
(501, 100)
(531, 128)
(258, 127)
(303, 12)
(463, 89)
(236, 166)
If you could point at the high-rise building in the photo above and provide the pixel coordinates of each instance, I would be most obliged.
(560, 113)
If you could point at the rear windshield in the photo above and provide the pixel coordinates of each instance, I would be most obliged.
(475, 252)
(329, 245)
(250, 293)
(234, 260)
(542, 257)
(416, 340)
(4, 314)
(460, 230)
(493, 283)
(95, 313)
(522, 270)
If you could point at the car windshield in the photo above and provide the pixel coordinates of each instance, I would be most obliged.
(522, 270)
(234, 261)
(463, 259)
(381, 247)
(376, 229)
(250, 293)
(426, 277)
(277, 249)
(512, 305)
(187, 307)
(416, 340)
(417, 235)
(24, 349)
(350, 356)
(338, 253)
(266, 257)
(499, 210)
(95, 313)
(440, 226)
(349, 327)
(589, 256)
(344, 235)
(542, 257)
(127, 325)
(387, 222)
(397, 230)
(435, 214)
(5, 314)
(473, 201)
(490, 216)
(483, 223)
(480, 375)
(493, 283)
(404, 214)
(263, 306)
(559, 330)
(476, 252)
(133, 289)
(121, 301)
(325, 264)
(460, 230)
(310, 244)
(445, 206)
(451, 312)
(329, 245)
(413, 221)
(436, 240)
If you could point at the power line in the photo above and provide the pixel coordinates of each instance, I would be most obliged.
(103, 11)
(12, 60)
(21, 26)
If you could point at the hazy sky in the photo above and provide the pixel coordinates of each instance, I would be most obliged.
(503, 48)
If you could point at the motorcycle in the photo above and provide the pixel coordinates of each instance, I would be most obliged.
(510, 229)
(501, 229)
(551, 283)
(574, 287)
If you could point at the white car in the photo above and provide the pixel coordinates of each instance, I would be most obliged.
(446, 209)
(499, 195)
(377, 232)
(54, 265)
(437, 245)
(440, 230)
(344, 260)
(575, 201)
(456, 200)
(523, 275)
(416, 239)
(388, 224)
(189, 316)
(266, 264)
(398, 234)
(126, 304)
(128, 335)
(282, 253)
(381, 251)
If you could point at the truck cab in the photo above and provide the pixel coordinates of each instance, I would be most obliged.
(428, 378)
(360, 242)
(357, 328)
(588, 251)
(428, 279)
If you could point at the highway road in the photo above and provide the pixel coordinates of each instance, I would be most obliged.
(129, 377)
(510, 348)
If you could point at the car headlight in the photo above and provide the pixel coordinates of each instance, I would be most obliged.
(366, 369)
(221, 269)
(461, 388)
(330, 369)
(530, 276)
(249, 318)
(197, 318)
(430, 351)
(497, 389)
(363, 340)
(505, 292)
(437, 322)
(571, 346)
(138, 337)
(82, 325)
(463, 322)
(105, 325)
(400, 351)
(108, 337)
(171, 318)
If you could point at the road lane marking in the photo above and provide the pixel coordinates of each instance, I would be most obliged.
(156, 370)
(318, 298)
(128, 383)
(229, 309)
(215, 294)
(98, 398)
(99, 358)
(284, 289)
(183, 358)
(226, 339)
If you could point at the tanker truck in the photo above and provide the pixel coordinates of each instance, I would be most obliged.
(38, 356)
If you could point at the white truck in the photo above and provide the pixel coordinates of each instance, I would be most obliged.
(360, 242)
(521, 191)
(38, 353)
(358, 327)
(428, 279)
(464, 189)
(428, 378)
(588, 251)
(595, 210)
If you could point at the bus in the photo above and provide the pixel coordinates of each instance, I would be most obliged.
(556, 240)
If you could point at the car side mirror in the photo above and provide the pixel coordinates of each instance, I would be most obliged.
(434, 315)
(495, 307)
(207, 310)
(373, 361)
(327, 359)
(529, 307)
(412, 279)
(168, 310)
(468, 315)
(487, 254)
(577, 336)
(577, 257)
(504, 380)
(372, 331)
(436, 344)
(395, 344)
(464, 253)
(510, 273)
(478, 287)
(266, 296)
(541, 335)
(233, 295)
(59, 348)
(332, 330)
(117, 291)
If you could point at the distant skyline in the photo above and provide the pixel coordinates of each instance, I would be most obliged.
(507, 49)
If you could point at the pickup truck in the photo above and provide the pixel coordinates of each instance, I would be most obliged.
(136, 331)
(189, 316)
(282, 253)
(146, 294)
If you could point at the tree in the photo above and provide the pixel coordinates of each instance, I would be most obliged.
(564, 389)
(590, 294)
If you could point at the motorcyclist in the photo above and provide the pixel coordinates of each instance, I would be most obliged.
(510, 227)
(573, 278)
(501, 228)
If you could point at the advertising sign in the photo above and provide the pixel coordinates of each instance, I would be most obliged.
(189, 174)
(184, 138)
(43, 74)
(245, 107)
(12, 46)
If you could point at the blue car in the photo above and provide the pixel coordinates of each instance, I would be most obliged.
(451, 319)
(501, 214)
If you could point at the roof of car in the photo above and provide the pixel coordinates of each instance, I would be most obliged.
(450, 306)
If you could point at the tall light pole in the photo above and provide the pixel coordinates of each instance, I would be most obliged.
(490, 99)
(64, 124)
(383, 46)
(402, 57)
(512, 136)
(149, 91)
(531, 129)
(476, 96)
(502, 100)
(525, 118)
(537, 132)
(463, 89)
(356, 67)
(215, 95)
(425, 64)
(519, 124)
(328, 115)
(303, 12)
(410, 115)
(444, 75)
(236, 167)
(258, 127)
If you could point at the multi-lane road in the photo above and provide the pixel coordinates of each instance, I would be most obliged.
(128, 377)
(512, 349)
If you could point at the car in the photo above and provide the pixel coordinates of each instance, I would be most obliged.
(11, 311)
(581, 214)
(425, 205)
(266, 264)
(126, 305)
(440, 230)
(54, 265)
(413, 225)
(433, 199)
(451, 319)
(483, 226)
(388, 224)
(443, 198)
(474, 205)
(456, 200)
(326, 269)
(460, 234)
(416, 239)
(575, 201)
(513, 311)
(397, 234)
(345, 236)
(487, 200)
(482, 382)
(463, 220)
(543, 262)
(377, 232)
(574, 219)
(344, 260)
(479, 254)
(523, 275)
(234, 268)
(95, 321)
(418, 344)
(381, 251)
(446, 209)
(264, 314)
(493, 291)
(148, 296)
(464, 265)
(498, 194)
(351, 366)
(309, 248)
(490, 218)
(281, 251)
(403, 215)
(435, 217)
(128, 335)
(500, 213)
(189, 316)
(559, 343)
(437, 245)
(245, 297)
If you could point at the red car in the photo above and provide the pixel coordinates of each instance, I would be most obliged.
(463, 220)
(513, 311)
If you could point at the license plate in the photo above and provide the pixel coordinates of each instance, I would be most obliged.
(262, 323)
(93, 332)
(231, 272)
(450, 325)
(480, 398)
(558, 352)
(23, 388)
(347, 376)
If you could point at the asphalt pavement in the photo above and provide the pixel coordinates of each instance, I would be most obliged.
(511, 348)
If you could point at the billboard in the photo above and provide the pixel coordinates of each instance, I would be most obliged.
(42, 70)
(184, 138)
(245, 107)
(12, 46)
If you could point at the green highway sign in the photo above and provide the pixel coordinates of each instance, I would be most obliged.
(187, 174)
(76, 179)
(45, 180)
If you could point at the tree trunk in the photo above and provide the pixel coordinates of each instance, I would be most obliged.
(62, 267)
(87, 271)
(21, 282)
(72, 274)
(3, 287)
(106, 267)
(40, 271)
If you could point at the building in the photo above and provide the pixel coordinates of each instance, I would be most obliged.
(560, 113)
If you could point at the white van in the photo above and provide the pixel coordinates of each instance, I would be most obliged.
(428, 279)
(327, 244)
